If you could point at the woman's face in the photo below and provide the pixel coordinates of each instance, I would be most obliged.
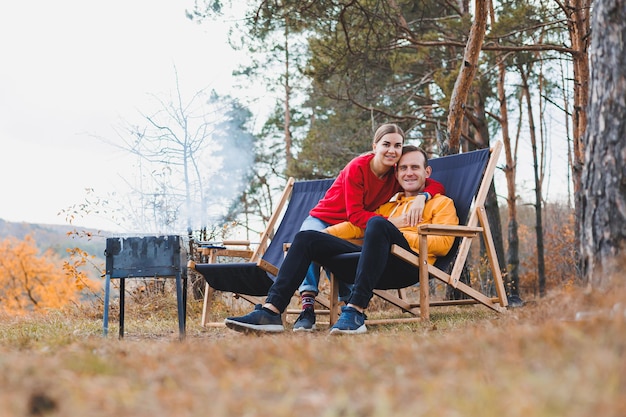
(389, 149)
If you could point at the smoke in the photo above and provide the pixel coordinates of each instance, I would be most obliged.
(229, 165)
(192, 162)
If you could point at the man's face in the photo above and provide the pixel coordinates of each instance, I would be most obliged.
(411, 172)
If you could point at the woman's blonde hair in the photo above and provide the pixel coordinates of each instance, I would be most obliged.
(388, 128)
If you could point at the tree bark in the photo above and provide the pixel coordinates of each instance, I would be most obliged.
(603, 198)
(287, 127)
(541, 276)
(579, 27)
(466, 75)
(510, 171)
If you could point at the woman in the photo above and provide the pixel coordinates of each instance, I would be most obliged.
(364, 184)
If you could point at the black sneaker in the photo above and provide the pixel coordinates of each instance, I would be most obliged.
(305, 321)
(258, 321)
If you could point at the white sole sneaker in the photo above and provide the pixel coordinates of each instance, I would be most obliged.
(257, 328)
(304, 329)
(335, 331)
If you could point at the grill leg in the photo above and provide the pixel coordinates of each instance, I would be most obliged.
(181, 304)
(107, 292)
(122, 294)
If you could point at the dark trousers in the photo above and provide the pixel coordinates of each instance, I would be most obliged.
(376, 267)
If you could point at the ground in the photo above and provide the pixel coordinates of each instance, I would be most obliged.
(561, 355)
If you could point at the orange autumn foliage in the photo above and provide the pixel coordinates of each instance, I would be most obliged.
(560, 251)
(30, 281)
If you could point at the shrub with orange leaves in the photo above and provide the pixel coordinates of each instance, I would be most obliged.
(560, 250)
(33, 282)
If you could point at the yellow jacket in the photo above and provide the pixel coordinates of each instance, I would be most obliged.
(438, 210)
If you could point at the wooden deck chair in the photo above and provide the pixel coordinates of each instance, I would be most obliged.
(253, 278)
(467, 178)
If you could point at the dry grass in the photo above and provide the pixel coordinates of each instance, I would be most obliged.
(534, 361)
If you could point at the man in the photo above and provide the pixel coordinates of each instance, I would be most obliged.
(376, 264)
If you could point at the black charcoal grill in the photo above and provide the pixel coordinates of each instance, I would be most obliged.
(146, 257)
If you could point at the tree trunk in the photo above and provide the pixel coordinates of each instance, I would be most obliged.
(603, 225)
(541, 276)
(578, 25)
(466, 75)
(287, 127)
(510, 171)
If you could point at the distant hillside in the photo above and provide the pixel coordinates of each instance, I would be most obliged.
(55, 237)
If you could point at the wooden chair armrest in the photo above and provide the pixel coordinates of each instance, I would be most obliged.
(235, 253)
(267, 267)
(221, 249)
(236, 243)
(449, 230)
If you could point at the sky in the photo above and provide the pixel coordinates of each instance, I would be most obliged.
(73, 70)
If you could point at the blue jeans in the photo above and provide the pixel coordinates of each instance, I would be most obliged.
(312, 279)
(376, 268)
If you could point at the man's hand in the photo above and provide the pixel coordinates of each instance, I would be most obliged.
(416, 209)
(399, 221)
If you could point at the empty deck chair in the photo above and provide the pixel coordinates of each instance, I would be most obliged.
(254, 277)
(467, 178)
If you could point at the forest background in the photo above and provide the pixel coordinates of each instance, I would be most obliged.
(206, 166)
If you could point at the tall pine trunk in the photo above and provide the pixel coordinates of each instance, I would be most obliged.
(510, 170)
(603, 226)
(464, 80)
(578, 25)
(541, 275)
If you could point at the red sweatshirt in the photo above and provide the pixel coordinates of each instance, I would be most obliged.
(358, 192)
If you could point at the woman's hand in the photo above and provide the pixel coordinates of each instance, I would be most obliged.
(416, 210)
